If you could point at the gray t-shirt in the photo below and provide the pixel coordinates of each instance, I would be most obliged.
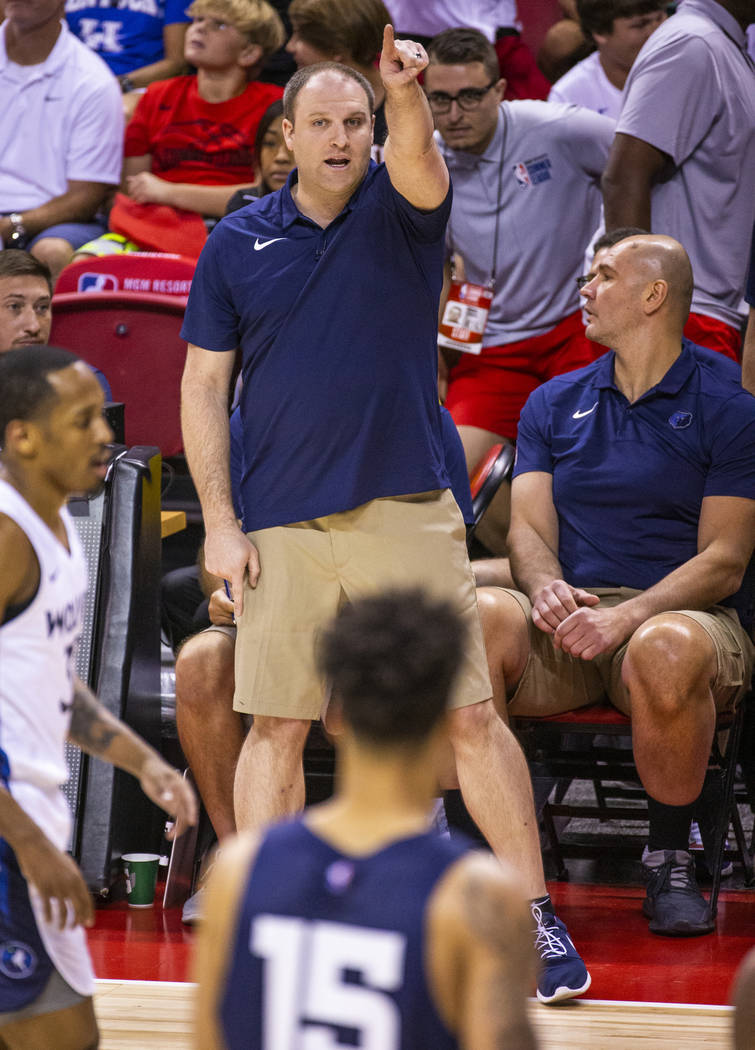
(550, 157)
(691, 94)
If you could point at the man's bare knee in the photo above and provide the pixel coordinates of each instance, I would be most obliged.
(55, 251)
(467, 725)
(505, 631)
(667, 659)
(284, 733)
(477, 442)
(204, 667)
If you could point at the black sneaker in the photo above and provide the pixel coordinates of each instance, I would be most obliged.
(563, 974)
(674, 904)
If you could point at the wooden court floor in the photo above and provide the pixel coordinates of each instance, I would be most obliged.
(156, 1015)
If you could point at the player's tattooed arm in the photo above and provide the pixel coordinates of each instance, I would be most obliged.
(481, 955)
(95, 730)
(499, 920)
(92, 726)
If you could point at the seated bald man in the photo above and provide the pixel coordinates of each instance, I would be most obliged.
(633, 519)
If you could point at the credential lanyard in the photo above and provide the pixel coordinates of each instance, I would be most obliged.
(499, 197)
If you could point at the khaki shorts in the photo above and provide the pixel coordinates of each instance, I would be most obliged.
(229, 630)
(309, 569)
(553, 681)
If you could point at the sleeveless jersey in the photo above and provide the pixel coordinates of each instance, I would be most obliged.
(330, 949)
(37, 655)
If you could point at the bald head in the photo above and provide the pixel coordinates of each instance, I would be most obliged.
(656, 257)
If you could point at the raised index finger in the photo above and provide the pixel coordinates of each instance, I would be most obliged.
(388, 39)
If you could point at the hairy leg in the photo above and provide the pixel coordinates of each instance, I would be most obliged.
(269, 775)
(496, 787)
(210, 731)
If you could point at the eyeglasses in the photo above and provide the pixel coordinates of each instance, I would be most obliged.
(467, 99)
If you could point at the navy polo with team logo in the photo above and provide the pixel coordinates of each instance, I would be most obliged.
(629, 479)
(337, 329)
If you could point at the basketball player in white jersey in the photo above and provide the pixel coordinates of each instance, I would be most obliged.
(358, 916)
(52, 444)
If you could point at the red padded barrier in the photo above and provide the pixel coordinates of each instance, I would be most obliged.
(135, 340)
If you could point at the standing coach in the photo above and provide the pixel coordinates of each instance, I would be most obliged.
(330, 287)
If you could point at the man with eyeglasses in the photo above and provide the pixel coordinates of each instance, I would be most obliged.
(526, 201)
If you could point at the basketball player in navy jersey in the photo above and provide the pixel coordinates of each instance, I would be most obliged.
(744, 1004)
(356, 925)
(52, 443)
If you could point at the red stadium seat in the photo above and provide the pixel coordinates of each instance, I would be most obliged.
(137, 272)
(493, 469)
(134, 339)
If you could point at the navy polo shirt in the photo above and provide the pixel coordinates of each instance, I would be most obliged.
(337, 328)
(629, 479)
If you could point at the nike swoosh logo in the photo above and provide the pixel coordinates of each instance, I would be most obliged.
(581, 415)
(259, 245)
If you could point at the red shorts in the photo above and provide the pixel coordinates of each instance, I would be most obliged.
(489, 391)
(715, 334)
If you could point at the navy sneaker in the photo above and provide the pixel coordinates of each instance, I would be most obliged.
(674, 903)
(563, 974)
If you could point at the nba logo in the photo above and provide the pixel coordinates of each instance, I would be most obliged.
(521, 175)
(97, 282)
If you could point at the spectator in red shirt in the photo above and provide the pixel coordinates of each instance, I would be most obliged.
(190, 144)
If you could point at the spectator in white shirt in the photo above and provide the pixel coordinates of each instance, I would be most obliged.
(618, 28)
(61, 142)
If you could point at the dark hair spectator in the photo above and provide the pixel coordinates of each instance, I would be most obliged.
(597, 16)
(17, 263)
(273, 159)
(461, 46)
